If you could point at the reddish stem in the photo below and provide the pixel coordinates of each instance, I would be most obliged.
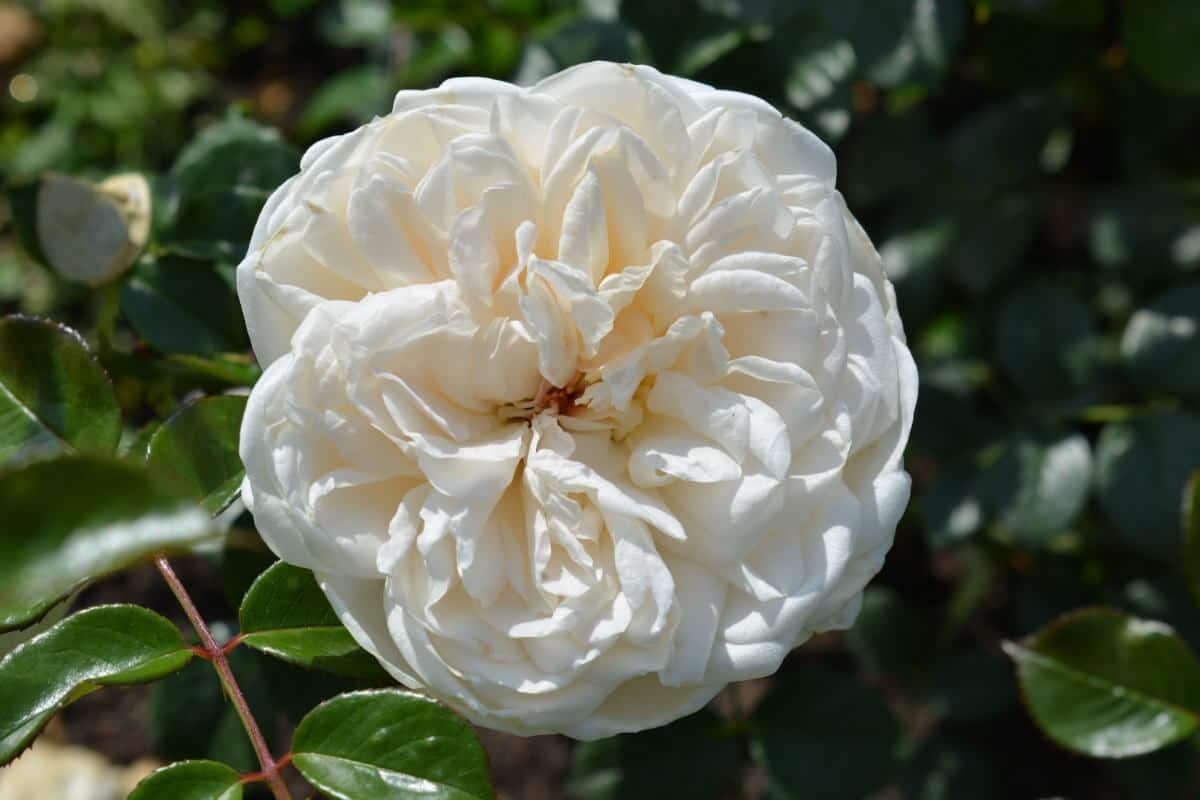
(218, 656)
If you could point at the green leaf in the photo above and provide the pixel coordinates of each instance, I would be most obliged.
(946, 769)
(1161, 36)
(102, 646)
(221, 181)
(180, 306)
(971, 685)
(235, 152)
(189, 717)
(22, 201)
(693, 758)
(1191, 533)
(888, 638)
(819, 81)
(1141, 468)
(286, 614)
(190, 780)
(1028, 492)
(73, 519)
(900, 41)
(1109, 685)
(196, 449)
(1002, 145)
(1161, 343)
(54, 396)
(1038, 488)
(1033, 317)
(822, 735)
(355, 94)
(390, 744)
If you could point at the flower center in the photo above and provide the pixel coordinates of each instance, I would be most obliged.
(559, 398)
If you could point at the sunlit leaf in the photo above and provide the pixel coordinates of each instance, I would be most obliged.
(73, 519)
(196, 449)
(1108, 685)
(390, 744)
(107, 646)
(285, 614)
(190, 780)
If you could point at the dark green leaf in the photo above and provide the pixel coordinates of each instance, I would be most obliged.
(190, 780)
(180, 306)
(1109, 685)
(390, 744)
(54, 397)
(285, 614)
(972, 685)
(357, 94)
(888, 638)
(1029, 491)
(1038, 488)
(824, 736)
(1191, 533)
(1141, 468)
(106, 645)
(1161, 36)
(1002, 144)
(1032, 318)
(1161, 343)
(22, 200)
(235, 152)
(53, 540)
(694, 758)
(945, 769)
(196, 449)
(189, 716)
(221, 180)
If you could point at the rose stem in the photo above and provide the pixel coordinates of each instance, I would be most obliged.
(216, 654)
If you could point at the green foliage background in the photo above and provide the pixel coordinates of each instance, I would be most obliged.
(1030, 172)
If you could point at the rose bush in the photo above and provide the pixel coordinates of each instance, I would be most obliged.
(581, 400)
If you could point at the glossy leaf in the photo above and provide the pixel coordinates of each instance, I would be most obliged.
(114, 514)
(285, 614)
(1191, 533)
(181, 306)
(822, 735)
(1109, 685)
(190, 780)
(54, 396)
(391, 744)
(1141, 468)
(694, 758)
(196, 449)
(107, 646)
(1161, 343)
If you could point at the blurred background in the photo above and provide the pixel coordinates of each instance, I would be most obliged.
(1030, 171)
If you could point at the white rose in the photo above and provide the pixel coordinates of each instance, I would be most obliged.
(581, 400)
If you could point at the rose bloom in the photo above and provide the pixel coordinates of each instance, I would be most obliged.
(581, 400)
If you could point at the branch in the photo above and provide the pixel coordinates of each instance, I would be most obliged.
(218, 656)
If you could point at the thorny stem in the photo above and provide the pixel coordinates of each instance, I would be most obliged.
(219, 657)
